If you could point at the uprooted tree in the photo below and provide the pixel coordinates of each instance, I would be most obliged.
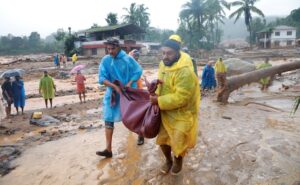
(235, 82)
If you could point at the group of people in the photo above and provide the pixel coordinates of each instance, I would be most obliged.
(178, 98)
(59, 59)
(213, 75)
(13, 92)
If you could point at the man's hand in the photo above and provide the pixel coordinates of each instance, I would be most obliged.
(153, 100)
(117, 88)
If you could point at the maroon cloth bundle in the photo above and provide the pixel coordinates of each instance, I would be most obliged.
(138, 114)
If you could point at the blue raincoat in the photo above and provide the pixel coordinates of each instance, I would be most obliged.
(123, 68)
(208, 78)
(56, 60)
(18, 93)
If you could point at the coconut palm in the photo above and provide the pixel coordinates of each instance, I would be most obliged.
(215, 13)
(138, 15)
(195, 8)
(246, 7)
(131, 16)
(111, 19)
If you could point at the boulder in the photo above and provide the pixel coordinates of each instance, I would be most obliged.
(237, 66)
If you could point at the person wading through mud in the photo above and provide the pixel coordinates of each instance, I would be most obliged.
(47, 88)
(19, 94)
(7, 93)
(265, 82)
(220, 70)
(79, 79)
(136, 55)
(117, 65)
(178, 98)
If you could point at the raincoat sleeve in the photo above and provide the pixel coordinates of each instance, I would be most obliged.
(182, 91)
(136, 69)
(204, 73)
(103, 73)
(40, 85)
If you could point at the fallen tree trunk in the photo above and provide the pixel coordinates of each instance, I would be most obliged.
(235, 82)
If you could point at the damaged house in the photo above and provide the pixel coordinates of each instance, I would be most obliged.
(91, 41)
(277, 37)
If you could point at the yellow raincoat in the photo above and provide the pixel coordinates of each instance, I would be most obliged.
(74, 58)
(264, 81)
(179, 100)
(220, 67)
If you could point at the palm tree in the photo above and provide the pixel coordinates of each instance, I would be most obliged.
(195, 8)
(143, 16)
(246, 7)
(215, 14)
(131, 16)
(138, 15)
(112, 19)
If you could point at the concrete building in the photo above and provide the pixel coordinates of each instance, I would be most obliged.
(91, 41)
(277, 37)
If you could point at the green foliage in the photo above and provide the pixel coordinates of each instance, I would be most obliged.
(69, 46)
(291, 20)
(94, 25)
(157, 35)
(257, 25)
(138, 15)
(199, 22)
(14, 45)
(60, 34)
(112, 19)
(246, 8)
(296, 106)
(57, 42)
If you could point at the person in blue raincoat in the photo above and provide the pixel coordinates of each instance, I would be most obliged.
(18, 94)
(56, 60)
(208, 77)
(117, 65)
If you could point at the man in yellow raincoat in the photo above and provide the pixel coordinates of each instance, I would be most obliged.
(178, 99)
(220, 70)
(74, 58)
(193, 64)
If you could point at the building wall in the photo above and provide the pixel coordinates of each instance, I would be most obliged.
(283, 40)
(87, 52)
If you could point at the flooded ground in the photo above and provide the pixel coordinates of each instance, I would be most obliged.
(252, 140)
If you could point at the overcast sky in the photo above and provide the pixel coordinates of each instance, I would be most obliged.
(21, 17)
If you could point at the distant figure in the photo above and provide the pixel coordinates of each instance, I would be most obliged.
(18, 94)
(47, 88)
(220, 70)
(136, 54)
(79, 78)
(63, 59)
(74, 58)
(7, 93)
(265, 82)
(117, 65)
(56, 61)
(208, 77)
